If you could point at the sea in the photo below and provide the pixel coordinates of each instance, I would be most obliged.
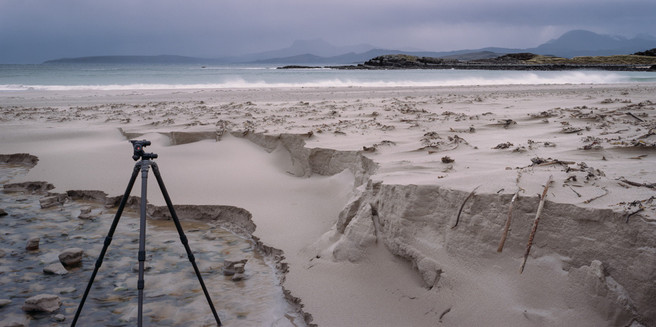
(194, 76)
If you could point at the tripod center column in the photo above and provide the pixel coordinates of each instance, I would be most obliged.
(145, 165)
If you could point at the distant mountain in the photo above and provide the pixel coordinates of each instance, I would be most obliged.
(353, 58)
(307, 52)
(571, 44)
(585, 43)
(315, 47)
(161, 59)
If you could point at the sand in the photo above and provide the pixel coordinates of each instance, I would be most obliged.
(361, 189)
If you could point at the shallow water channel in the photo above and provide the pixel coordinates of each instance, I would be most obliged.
(173, 296)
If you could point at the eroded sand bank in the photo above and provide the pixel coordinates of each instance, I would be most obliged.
(361, 188)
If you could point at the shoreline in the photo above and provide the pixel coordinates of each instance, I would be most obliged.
(343, 244)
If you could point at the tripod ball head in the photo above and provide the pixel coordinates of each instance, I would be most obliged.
(139, 152)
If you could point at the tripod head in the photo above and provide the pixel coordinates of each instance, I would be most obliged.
(139, 152)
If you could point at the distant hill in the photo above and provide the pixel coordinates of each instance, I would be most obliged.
(353, 58)
(513, 61)
(301, 49)
(571, 44)
(585, 43)
(161, 59)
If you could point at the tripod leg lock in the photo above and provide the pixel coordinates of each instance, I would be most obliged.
(142, 255)
(140, 284)
(99, 263)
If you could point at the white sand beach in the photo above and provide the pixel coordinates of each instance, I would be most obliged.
(389, 203)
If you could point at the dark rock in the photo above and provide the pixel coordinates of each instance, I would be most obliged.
(447, 159)
(2, 212)
(19, 158)
(31, 187)
(52, 201)
(87, 195)
(503, 145)
(298, 67)
(651, 53)
(85, 213)
(238, 277)
(42, 303)
(230, 268)
(32, 244)
(71, 257)
(513, 61)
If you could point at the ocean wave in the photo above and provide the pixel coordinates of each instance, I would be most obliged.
(373, 79)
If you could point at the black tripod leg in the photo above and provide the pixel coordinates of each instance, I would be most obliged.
(108, 240)
(142, 239)
(184, 240)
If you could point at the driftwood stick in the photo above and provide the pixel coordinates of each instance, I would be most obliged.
(535, 224)
(463, 205)
(557, 162)
(649, 185)
(577, 193)
(636, 117)
(606, 191)
(508, 220)
(633, 213)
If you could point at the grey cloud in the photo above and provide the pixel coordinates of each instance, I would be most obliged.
(33, 31)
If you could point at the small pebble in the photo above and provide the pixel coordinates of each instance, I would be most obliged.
(33, 244)
(85, 213)
(71, 257)
(42, 303)
(55, 269)
(238, 277)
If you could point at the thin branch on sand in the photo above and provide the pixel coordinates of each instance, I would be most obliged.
(463, 205)
(535, 224)
(597, 197)
(636, 117)
(649, 185)
(505, 230)
(633, 213)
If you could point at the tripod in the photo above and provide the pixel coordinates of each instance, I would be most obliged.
(143, 166)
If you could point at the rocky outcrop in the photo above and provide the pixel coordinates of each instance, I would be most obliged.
(19, 158)
(230, 217)
(516, 61)
(52, 200)
(31, 187)
(406, 61)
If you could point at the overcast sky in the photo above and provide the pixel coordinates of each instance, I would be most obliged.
(32, 31)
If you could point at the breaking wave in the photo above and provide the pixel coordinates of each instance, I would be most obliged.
(336, 78)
